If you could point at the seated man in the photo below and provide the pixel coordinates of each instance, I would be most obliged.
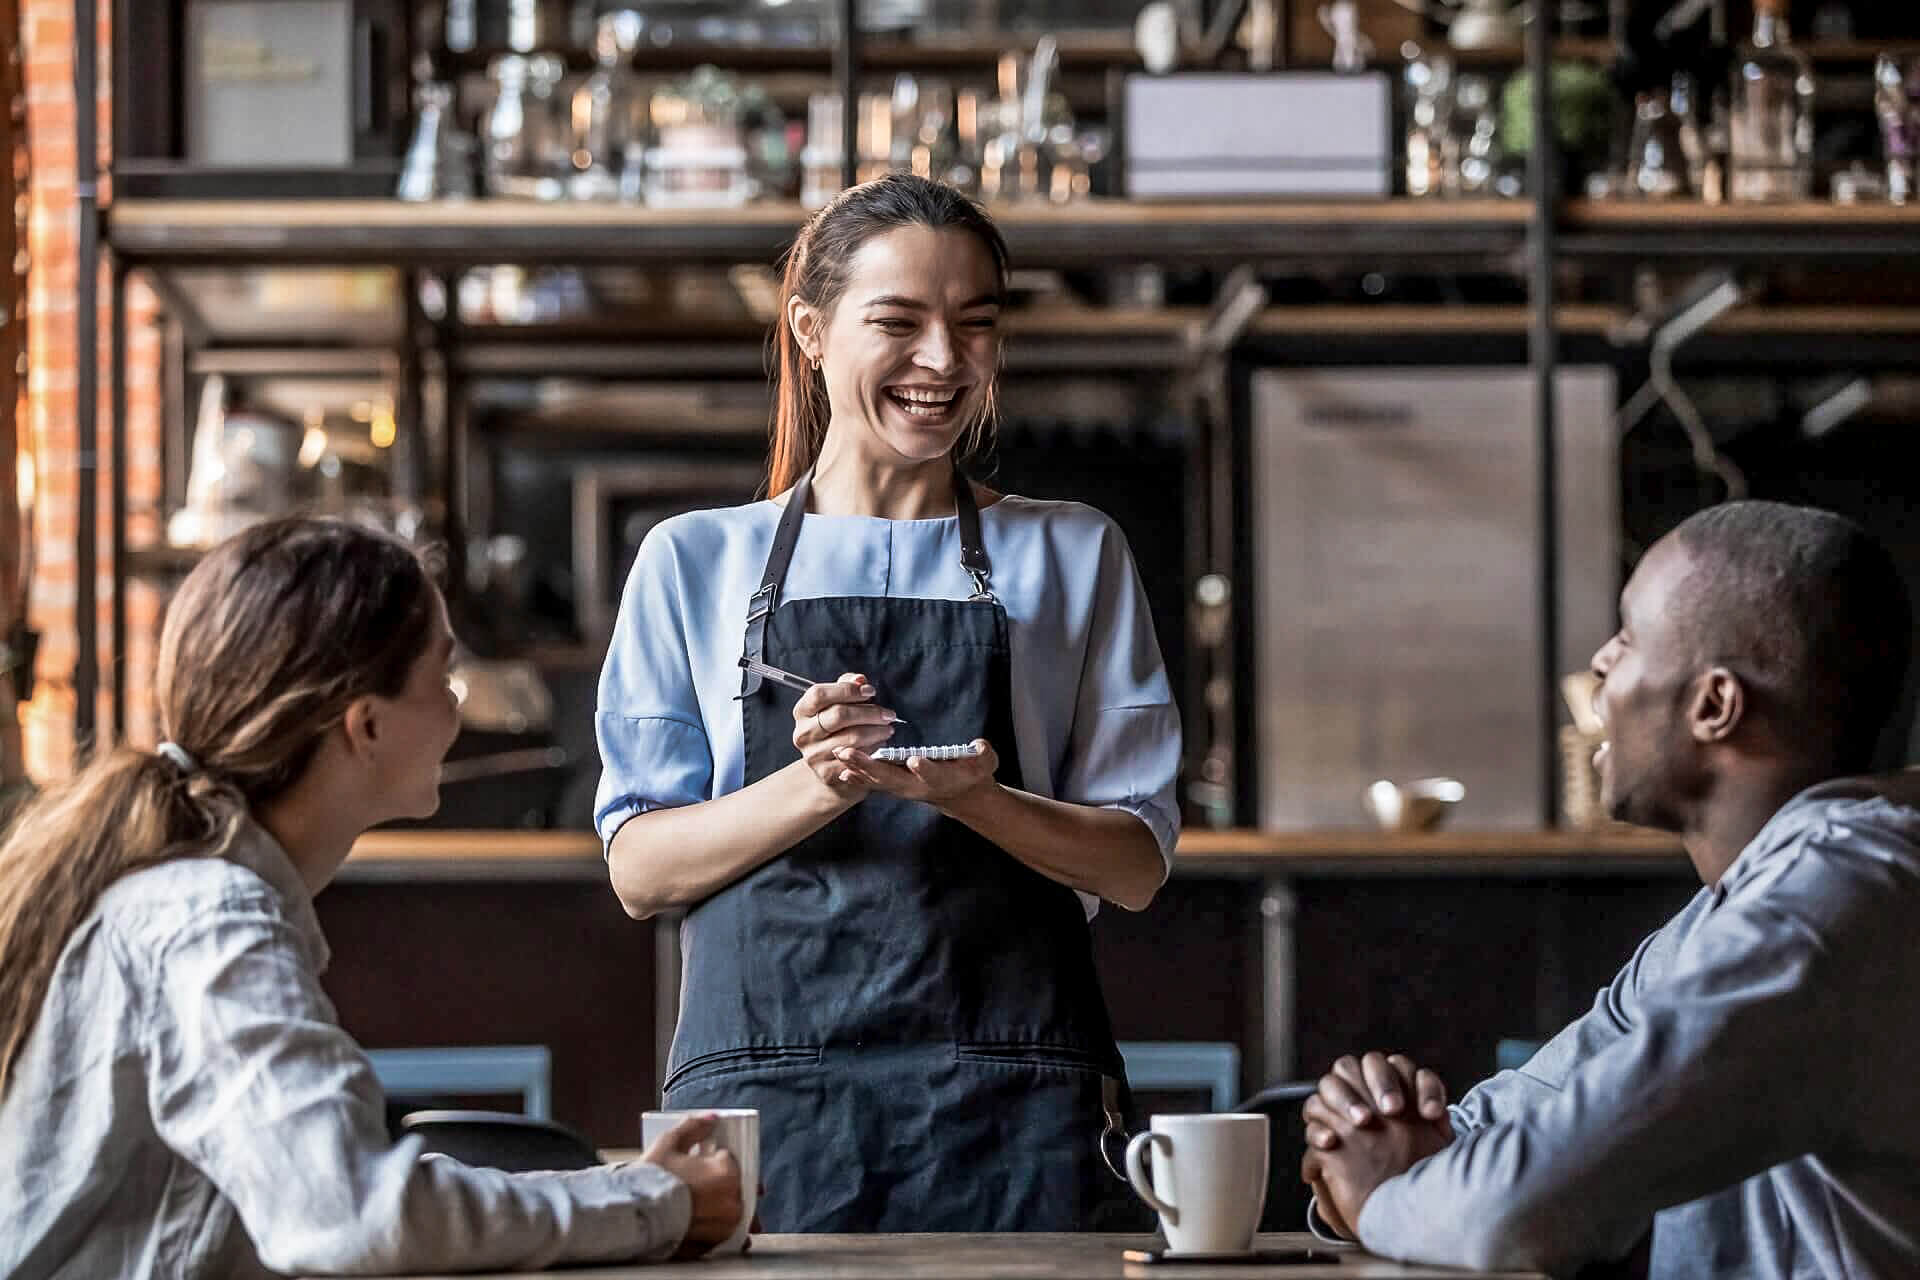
(1745, 1085)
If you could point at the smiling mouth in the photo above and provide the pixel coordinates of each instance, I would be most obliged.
(928, 404)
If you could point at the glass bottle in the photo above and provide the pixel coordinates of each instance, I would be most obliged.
(1430, 79)
(1899, 116)
(1772, 112)
(1656, 158)
(606, 111)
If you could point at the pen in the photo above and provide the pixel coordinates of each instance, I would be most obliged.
(786, 678)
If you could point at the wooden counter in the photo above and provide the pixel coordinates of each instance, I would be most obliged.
(575, 855)
(1026, 1256)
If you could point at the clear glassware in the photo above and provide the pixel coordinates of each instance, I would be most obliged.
(1683, 100)
(1656, 157)
(699, 159)
(607, 109)
(439, 159)
(1896, 103)
(1471, 158)
(1430, 79)
(1772, 112)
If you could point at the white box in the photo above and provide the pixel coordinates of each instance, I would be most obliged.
(1285, 133)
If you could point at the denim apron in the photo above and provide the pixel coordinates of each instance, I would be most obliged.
(913, 1011)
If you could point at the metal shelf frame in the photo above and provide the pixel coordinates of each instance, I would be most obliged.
(1537, 234)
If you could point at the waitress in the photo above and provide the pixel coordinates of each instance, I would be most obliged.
(891, 961)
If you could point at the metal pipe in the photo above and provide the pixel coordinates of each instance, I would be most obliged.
(846, 73)
(86, 551)
(1543, 171)
(117, 522)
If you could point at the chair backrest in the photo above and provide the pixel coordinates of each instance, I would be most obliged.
(447, 1073)
(1211, 1065)
(500, 1140)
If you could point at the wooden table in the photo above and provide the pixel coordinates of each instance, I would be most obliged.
(999, 1257)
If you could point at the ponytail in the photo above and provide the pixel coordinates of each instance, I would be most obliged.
(123, 812)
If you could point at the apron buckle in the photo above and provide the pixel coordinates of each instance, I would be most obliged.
(1116, 1127)
(981, 591)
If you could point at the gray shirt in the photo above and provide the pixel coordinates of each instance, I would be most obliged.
(1746, 1084)
(186, 1105)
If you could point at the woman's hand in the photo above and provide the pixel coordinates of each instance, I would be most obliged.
(935, 782)
(833, 718)
(712, 1177)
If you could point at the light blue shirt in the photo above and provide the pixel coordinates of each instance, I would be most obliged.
(1093, 718)
(187, 1107)
(1745, 1084)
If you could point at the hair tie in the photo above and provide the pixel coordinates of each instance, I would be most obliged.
(178, 756)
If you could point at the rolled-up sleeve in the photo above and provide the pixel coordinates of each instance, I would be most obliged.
(253, 1081)
(1124, 752)
(654, 751)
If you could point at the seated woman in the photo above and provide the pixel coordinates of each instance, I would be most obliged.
(176, 1098)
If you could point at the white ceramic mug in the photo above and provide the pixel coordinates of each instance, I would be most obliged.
(738, 1131)
(1209, 1180)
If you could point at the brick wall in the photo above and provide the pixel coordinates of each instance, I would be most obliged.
(50, 428)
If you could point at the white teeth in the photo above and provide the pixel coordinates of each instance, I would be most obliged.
(916, 395)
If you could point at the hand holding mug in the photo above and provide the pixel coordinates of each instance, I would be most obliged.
(712, 1176)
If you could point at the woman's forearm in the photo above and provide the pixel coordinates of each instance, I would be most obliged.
(676, 857)
(1106, 852)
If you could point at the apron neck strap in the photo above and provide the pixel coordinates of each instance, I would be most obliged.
(973, 551)
(973, 558)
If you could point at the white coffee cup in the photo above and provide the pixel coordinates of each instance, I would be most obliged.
(738, 1131)
(1209, 1180)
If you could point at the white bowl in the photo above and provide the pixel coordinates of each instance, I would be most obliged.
(1413, 806)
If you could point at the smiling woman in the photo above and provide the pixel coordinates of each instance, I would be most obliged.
(924, 272)
(888, 954)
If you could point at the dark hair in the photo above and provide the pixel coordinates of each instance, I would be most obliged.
(265, 645)
(1808, 607)
(816, 273)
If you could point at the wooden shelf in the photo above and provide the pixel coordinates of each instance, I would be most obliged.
(1771, 234)
(1092, 232)
(567, 855)
(1600, 49)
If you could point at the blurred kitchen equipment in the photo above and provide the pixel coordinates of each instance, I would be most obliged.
(1414, 806)
(501, 695)
(1351, 48)
(607, 115)
(698, 160)
(1896, 103)
(1297, 133)
(276, 85)
(505, 769)
(244, 462)
(1656, 154)
(1471, 155)
(1156, 37)
(1394, 543)
(1771, 124)
(1485, 24)
(1429, 79)
(521, 130)
(439, 162)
